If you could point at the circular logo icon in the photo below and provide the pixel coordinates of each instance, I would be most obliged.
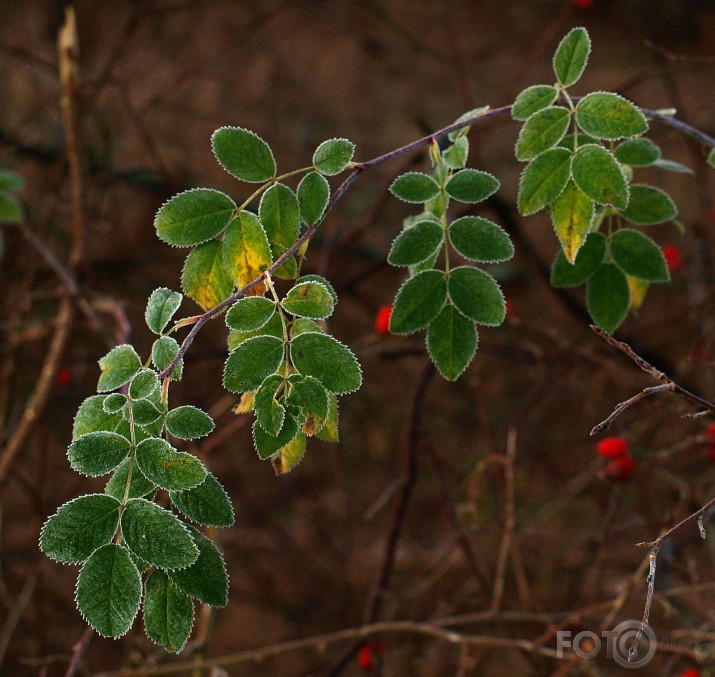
(620, 643)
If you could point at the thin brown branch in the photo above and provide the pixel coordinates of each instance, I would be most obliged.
(319, 641)
(78, 651)
(668, 383)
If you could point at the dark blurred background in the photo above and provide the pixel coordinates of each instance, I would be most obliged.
(309, 549)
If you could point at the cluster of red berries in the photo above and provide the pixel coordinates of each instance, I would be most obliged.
(622, 464)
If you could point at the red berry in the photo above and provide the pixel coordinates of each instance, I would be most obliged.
(612, 447)
(63, 377)
(382, 320)
(673, 256)
(710, 433)
(583, 4)
(365, 656)
(620, 469)
(692, 672)
(511, 310)
(712, 214)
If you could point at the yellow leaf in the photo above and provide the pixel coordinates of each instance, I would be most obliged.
(204, 277)
(246, 251)
(289, 456)
(638, 289)
(571, 214)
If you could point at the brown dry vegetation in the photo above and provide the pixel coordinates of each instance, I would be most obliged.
(308, 549)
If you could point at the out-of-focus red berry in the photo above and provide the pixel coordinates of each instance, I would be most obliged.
(673, 257)
(382, 320)
(365, 656)
(712, 214)
(620, 469)
(612, 447)
(710, 433)
(63, 377)
(583, 4)
(691, 672)
(511, 310)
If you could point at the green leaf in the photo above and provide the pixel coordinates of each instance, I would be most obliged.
(649, 205)
(327, 360)
(168, 612)
(455, 156)
(118, 367)
(246, 252)
(173, 470)
(11, 210)
(711, 157)
(330, 432)
(145, 412)
(463, 131)
(290, 455)
(269, 413)
(637, 255)
(244, 154)
(97, 453)
(267, 444)
(609, 116)
(471, 185)
(114, 403)
(479, 239)
(188, 423)
(590, 256)
(309, 299)
(418, 302)
(451, 342)
(332, 156)
(414, 187)
(91, 417)
(250, 313)
(672, 166)
(543, 130)
(157, 536)
(205, 278)
(160, 308)
(280, 214)
(313, 195)
(79, 527)
(302, 325)
(109, 590)
(10, 181)
(288, 270)
(312, 399)
(416, 243)
(207, 503)
(476, 294)
(206, 579)
(598, 174)
(608, 297)
(163, 351)
(543, 180)
(144, 384)
(193, 217)
(571, 214)
(571, 56)
(637, 152)
(274, 327)
(532, 100)
(323, 281)
(571, 142)
(139, 485)
(251, 362)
